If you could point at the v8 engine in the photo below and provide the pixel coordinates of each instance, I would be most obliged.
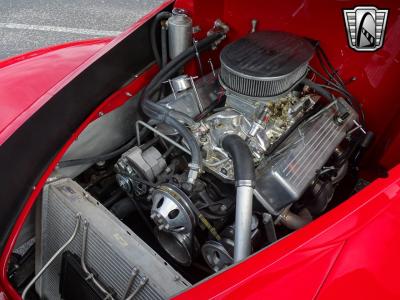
(259, 130)
(218, 165)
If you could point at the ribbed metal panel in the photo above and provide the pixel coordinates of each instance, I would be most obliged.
(253, 87)
(265, 64)
(285, 177)
(112, 249)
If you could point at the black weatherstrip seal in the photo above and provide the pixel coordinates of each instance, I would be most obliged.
(25, 156)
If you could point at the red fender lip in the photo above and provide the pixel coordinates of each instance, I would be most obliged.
(53, 48)
(26, 80)
(29, 80)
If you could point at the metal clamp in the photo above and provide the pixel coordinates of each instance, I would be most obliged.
(249, 183)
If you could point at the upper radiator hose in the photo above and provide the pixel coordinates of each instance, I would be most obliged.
(244, 177)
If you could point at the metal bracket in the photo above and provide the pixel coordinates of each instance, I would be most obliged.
(212, 67)
(198, 57)
(199, 104)
(184, 149)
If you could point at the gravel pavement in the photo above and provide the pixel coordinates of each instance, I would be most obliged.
(27, 25)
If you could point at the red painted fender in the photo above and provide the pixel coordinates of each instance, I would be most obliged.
(26, 78)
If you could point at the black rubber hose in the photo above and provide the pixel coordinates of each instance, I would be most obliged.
(178, 62)
(102, 157)
(97, 158)
(123, 208)
(161, 114)
(208, 110)
(338, 88)
(153, 36)
(323, 57)
(245, 177)
(342, 90)
(318, 88)
(142, 215)
(153, 110)
(168, 116)
(113, 199)
(241, 156)
(164, 51)
(323, 92)
(164, 56)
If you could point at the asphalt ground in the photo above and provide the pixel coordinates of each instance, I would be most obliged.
(28, 25)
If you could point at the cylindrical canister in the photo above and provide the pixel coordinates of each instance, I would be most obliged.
(179, 33)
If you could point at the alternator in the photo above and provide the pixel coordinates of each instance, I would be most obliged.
(136, 163)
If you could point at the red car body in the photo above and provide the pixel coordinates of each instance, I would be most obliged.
(350, 252)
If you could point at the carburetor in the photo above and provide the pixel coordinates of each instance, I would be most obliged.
(260, 130)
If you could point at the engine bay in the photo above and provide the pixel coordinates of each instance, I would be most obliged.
(216, 167)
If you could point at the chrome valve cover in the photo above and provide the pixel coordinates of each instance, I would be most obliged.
(282, 178)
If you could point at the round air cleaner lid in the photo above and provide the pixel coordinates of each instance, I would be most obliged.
(265, 63)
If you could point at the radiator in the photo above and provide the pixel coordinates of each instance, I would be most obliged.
(119, 258)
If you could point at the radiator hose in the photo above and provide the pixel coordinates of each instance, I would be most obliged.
(244, 179)
(318, 88)
(153, 37)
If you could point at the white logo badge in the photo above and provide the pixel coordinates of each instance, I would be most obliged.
(365, 27)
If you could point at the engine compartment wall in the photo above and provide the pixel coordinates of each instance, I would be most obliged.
(376, 72)
(386, 88)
